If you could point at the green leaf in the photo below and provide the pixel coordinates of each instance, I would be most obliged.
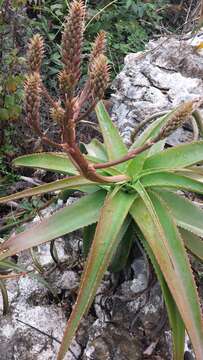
(15, 112)
(136, 165)
(112, 216)
(83, 212)
(151, 131)
(49, 161)
(88, 236)
(167, 179)
(74, 182)
(194, 172)
(177, 157)
(4, 114)
(156, 148)
(161, 233)
(193, 243)
(191, 174)
(96, 149)
(175, 320)
(9, 101)
(188, 216)
(121, 255)
(113, 142)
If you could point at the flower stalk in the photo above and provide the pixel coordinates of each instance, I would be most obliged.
(68, 109)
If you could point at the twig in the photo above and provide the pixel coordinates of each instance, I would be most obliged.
(53, 338)
(40, 331)
(31, 180)
(12, 204)
(14, 276)
(158, 333)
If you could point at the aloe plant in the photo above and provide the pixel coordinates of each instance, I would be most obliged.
(125, 190)
(166, 223)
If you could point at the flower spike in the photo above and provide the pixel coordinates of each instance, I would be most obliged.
(35, 53)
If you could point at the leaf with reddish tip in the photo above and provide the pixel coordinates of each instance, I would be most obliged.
(49, 161)
(75, 183)
(175, 320)
(113, 142)
(83, 212)
(111, 219)
(160, 231)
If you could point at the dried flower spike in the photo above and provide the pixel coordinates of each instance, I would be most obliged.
(99, 76)
(99, 46)
(35, 53)
(72, 40)
(33, 98)
(177, 119)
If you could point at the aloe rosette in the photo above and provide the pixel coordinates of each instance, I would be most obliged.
(146, 201)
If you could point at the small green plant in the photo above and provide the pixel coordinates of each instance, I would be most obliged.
(126, 190)
(11, 79)
(129, 25)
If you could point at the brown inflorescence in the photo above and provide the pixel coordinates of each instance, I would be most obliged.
(99, 46)
(177, 118)
(66, 82)
(72, 40)
(99, 76)
(57, 113)
(33, 98)
(35, 53)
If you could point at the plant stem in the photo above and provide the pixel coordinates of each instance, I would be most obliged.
(87, 169)
(127, 157)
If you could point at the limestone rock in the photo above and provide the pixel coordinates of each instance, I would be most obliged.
(169, 72)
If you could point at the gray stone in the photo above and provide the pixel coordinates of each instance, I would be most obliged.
(169, 72)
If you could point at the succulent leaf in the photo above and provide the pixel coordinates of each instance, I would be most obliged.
(62, 222)
(106, 239)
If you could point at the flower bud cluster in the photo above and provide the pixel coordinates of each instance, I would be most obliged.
(35, 53)
(57, 113)
(72, 40)
(33, 97)
(176, 119)
(99, 76)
